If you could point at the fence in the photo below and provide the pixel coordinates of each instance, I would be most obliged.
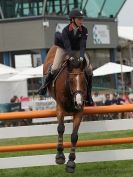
(52, 112)
(94, 126)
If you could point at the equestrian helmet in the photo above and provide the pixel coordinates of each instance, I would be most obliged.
(75, 13)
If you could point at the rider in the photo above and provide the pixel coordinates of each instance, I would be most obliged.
(72, 38)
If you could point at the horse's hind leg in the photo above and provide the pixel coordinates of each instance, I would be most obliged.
(70, 166)
(60, 158)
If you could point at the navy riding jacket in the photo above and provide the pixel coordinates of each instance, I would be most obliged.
(70, 41)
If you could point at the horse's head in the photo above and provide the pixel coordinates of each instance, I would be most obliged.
(76, 82)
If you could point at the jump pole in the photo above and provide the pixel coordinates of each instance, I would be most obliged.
(52, 112)
(85, 143)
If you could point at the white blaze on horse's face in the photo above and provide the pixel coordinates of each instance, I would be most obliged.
(78, 83)
(77, 88)
(78, 96)
(78, 99)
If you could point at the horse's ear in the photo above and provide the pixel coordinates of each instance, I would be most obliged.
(84, 65)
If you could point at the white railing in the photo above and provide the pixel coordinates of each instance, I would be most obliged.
(51, 129)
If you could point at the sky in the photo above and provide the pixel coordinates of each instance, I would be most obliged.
(125, 17)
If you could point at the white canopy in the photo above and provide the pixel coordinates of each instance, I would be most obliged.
(27, 74)
(111, 68)
(7, 70)
(19, 77)
(36, 72)
(8, 89)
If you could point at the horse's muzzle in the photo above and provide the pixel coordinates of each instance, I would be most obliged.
(78, 101)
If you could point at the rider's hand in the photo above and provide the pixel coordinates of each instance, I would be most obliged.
(71, 58)
(81, 59)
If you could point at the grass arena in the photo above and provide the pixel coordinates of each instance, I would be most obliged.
(104, 148)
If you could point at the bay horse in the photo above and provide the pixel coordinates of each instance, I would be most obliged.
(69, 90)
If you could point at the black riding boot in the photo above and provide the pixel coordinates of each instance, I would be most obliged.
(89, 76)
(47, 80)
(90, 100)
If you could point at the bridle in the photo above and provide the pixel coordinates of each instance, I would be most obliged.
(75, 92)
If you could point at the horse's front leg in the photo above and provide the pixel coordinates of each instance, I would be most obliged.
(60, 158)
(70, 166)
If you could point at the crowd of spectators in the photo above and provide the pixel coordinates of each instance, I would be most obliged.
(113, 99)
(20, 122)
(100, 99)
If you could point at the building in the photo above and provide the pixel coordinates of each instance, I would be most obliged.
(28, 27)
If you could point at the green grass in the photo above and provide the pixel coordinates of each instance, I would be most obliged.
(100, 169)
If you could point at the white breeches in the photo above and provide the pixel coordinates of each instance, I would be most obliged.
(58, 58)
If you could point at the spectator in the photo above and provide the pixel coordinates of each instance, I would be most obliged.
(120, 99)
(107, 100)
(12, 123)
(127, 98)
(128, 101)
(131, 95)
(98, 99)
(114, 99)
(14, 99)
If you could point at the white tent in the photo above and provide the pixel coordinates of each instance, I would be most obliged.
(36, 72)
(26, 74)
(19, 77)
(111, 68)
(7, 70)
(8, 89)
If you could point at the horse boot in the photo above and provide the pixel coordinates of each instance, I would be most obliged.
(48, 78)
(89, 76)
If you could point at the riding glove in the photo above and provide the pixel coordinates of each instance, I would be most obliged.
(81, 58)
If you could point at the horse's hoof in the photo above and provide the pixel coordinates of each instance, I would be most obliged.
(60, 159)
(70, 166)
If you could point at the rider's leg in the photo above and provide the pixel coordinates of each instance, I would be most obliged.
(50, 75)
(57, 60)
(89, 75)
